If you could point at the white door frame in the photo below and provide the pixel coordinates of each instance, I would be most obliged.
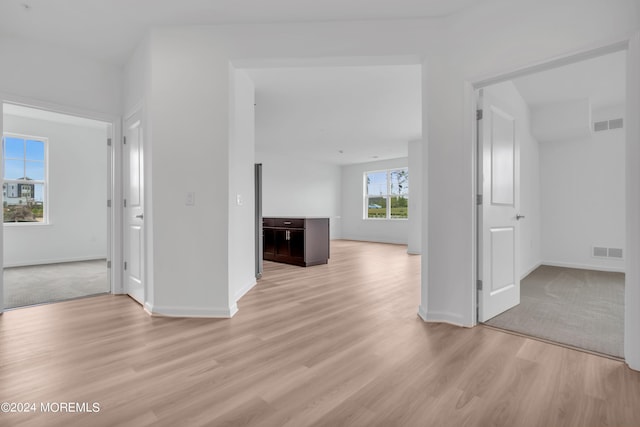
(632, 282)
(114, 166)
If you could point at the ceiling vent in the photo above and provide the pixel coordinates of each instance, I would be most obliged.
(608, 125)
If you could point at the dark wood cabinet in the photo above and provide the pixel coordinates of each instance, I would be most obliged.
(298, 241)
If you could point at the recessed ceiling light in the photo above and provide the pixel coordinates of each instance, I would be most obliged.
(340, 151)
(26, 6)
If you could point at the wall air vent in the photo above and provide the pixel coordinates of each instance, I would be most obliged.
(600, 252)
(607, 125)
(615, 253)
(600, 126)
(615, 124)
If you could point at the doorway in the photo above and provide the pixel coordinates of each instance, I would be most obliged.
(570, 159)
(56, 180)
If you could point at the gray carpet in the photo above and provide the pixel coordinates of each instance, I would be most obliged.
(39, 284)
(581, 308)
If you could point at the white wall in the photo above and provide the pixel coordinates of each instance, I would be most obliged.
(77, 186)
(583, 197)
(414, 238)
(241, 186)
(301, 187)
(354, 227)
(562, 121)
(58, 76)
(509, 99)
(188, 133)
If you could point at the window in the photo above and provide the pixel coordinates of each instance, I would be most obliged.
(24, 186)
(386, 194)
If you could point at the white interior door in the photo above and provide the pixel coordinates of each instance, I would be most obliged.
(133, 209)
(499, 164)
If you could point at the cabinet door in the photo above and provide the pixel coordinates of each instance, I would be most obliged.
(296, 244)
(282, 243)
(269, 243)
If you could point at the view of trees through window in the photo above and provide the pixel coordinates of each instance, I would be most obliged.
(23, 187)
(387, 194)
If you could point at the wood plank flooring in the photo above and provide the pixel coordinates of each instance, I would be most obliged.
(331, 345)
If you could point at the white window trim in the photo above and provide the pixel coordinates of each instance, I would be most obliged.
(388, 195)
(45, 184)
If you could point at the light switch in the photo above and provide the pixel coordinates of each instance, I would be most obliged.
(190, 200)
(239, 199)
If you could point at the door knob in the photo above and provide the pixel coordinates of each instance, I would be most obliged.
(519, 217)
(140, 216)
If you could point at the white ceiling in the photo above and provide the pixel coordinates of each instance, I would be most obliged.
(110, 29)
(368, 113)
(601, 79)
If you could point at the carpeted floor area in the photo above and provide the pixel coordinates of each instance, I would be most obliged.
(39, 284)
(581, 308)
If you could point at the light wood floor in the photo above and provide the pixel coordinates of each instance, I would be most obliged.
(330, 345)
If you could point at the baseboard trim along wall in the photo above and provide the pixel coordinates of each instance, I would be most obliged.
(441, 317)
(584, 266)
(220, 312)
(57, 261)
(243, 291)
(374, 240)
(531, 270)
(422, 313)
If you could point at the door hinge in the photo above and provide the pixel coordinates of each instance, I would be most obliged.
(478, 114)
(125, 265)
(479, 284)
(478, 199)
(108, 203)
(125, 203)
(124, 140)
(108, 264)
(108, 142)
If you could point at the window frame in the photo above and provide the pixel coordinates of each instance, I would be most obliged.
(44, 182)
(387, 196)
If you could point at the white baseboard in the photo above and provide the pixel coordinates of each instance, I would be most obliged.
(373, 240)
(422, 313)
(220, 312)
(584, 266)
(242, 292)
(441, 317)
(531, 270)
(55, 261)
